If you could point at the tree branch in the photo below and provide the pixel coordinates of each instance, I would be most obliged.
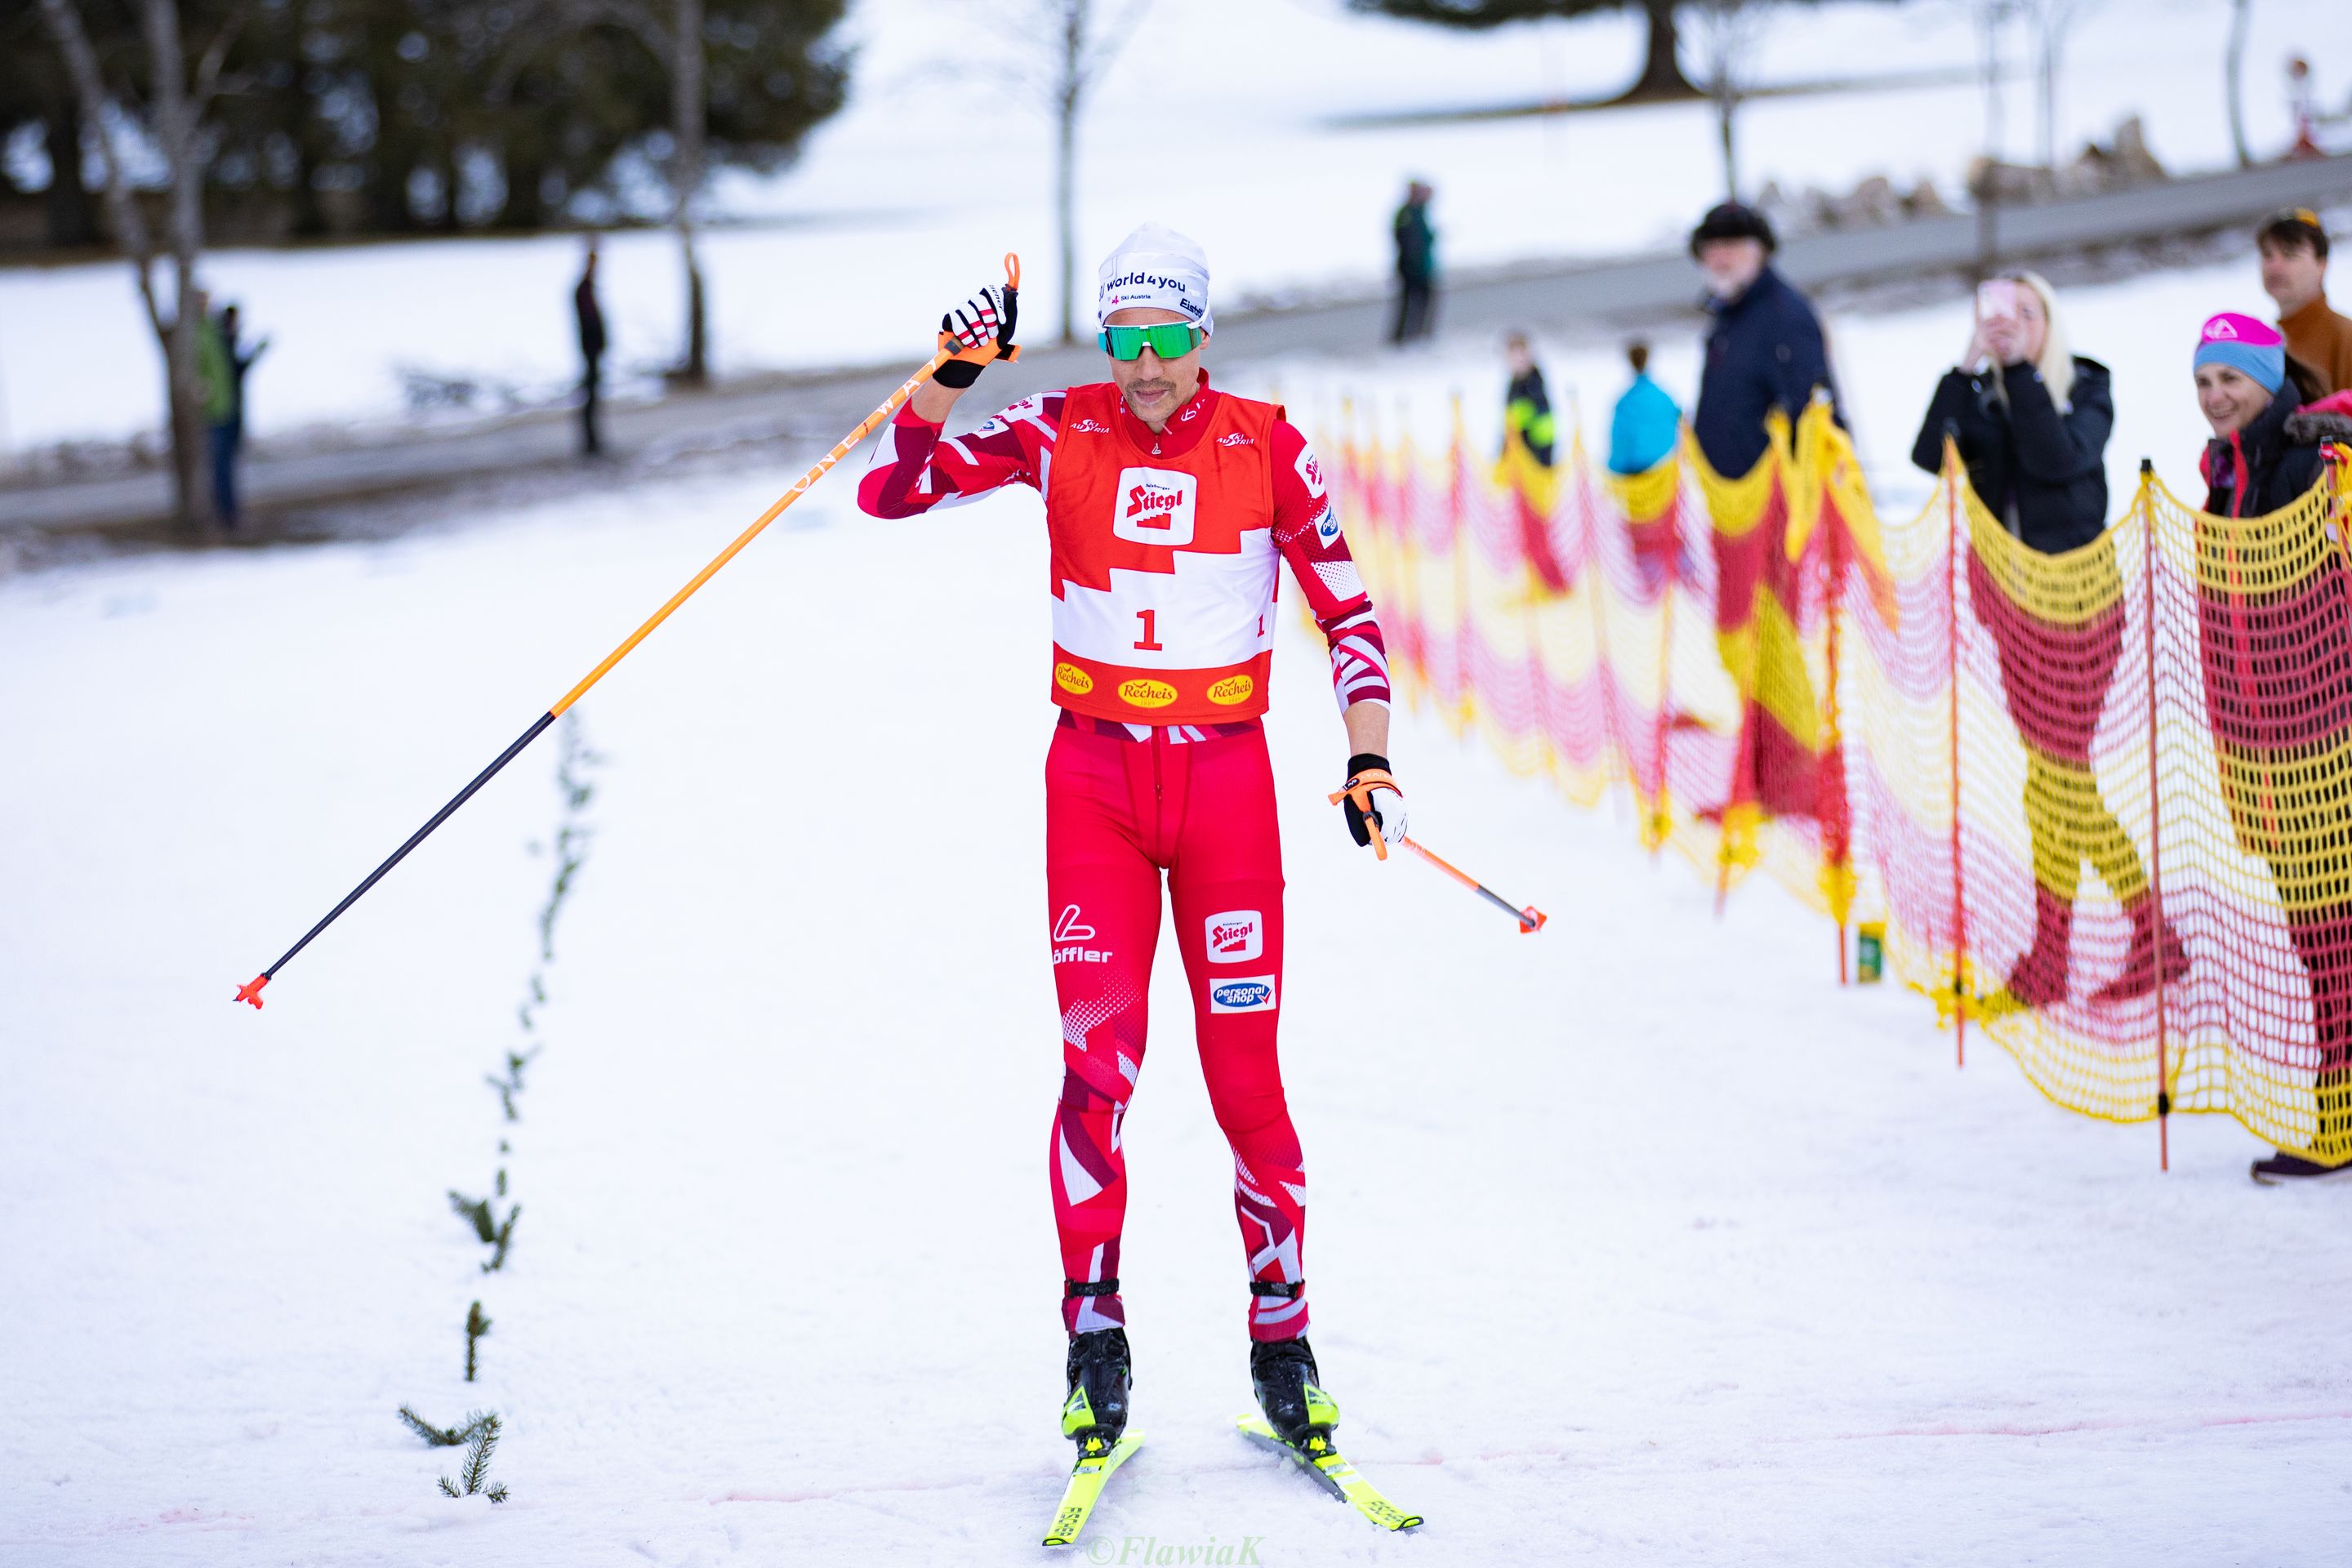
(209, 68)
(63, 21)
(630, 16)
(549, 22)
(1109, 39)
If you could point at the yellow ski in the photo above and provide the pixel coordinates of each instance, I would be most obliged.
(1333, 1473)
(1094, 1467)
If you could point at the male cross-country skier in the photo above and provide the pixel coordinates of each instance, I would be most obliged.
(1168, 504)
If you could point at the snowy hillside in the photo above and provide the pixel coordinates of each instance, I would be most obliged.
(1216, 118)
(1634, 1241)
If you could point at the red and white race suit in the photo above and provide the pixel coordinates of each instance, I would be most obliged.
(1165, 550)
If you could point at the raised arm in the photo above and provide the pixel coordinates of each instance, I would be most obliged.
(915, 468)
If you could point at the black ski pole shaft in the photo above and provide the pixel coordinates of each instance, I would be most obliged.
(251, 990)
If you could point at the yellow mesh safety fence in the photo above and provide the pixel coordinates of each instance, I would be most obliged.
(2102, 800)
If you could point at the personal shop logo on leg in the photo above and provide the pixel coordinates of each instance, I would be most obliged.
(1242, 994)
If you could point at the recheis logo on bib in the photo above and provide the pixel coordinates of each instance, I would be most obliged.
(1154, 506)
(1146, 692)
(1248, 994)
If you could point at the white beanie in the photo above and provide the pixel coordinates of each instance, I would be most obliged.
(1156, 268)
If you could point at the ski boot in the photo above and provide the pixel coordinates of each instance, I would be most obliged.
(1289, 1390)
(1099, 1370)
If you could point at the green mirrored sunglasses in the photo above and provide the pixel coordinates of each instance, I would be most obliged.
(1168, 340)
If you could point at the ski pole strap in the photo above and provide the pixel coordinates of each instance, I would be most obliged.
(1074, 1289)
(1290, 1292)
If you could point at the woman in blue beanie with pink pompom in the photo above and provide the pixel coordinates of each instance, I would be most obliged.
(2274, 640)
(2266, 448)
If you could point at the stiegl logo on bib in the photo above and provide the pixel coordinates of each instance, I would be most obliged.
(1236, 936)
(1154, 506)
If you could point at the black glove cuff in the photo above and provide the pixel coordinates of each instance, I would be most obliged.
(1363, 759)
(957, 372)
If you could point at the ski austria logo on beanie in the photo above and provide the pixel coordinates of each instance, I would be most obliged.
(2246, 346)
(1159, 268)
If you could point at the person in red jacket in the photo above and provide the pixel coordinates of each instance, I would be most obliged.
(1170, 506)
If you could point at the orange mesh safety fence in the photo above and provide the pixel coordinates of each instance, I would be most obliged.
(2103, 800)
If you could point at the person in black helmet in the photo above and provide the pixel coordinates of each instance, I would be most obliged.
(1765, 350)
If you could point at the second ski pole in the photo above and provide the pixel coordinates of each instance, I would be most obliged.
(1530, 918)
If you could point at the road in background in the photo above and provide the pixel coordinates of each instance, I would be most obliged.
(818, 406)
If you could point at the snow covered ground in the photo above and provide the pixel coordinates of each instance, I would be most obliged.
(1637, 1240)
(1215, 119)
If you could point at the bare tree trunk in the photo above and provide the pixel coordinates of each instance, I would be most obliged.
(2057, 16)
(691, 115)
(1727, 103)
(1661, 72)
(2050, 32)
(70, 222)
(1987, 198)
(1724, 33)
(2240, 13)
(174, 131)
(523, 207)
(1069, 91)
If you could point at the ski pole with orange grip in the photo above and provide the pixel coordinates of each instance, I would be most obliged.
(251, 990)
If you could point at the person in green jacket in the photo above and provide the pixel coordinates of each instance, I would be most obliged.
(217, 375)
(1526, 403)
(221, 366)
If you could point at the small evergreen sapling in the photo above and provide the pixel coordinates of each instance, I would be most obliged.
(538, 991)
(476, 1213)
(506, 1087)
(498, 1258)
(446, 1437)
(571, 843)
(488, 1228)
(474, 1475)
(477, 1326)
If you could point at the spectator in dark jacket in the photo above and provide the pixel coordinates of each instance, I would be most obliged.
(590, 318)
(2031, 420)
(1526, 403)
(1416, 266)
(1765, 350)
(2275, 643)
